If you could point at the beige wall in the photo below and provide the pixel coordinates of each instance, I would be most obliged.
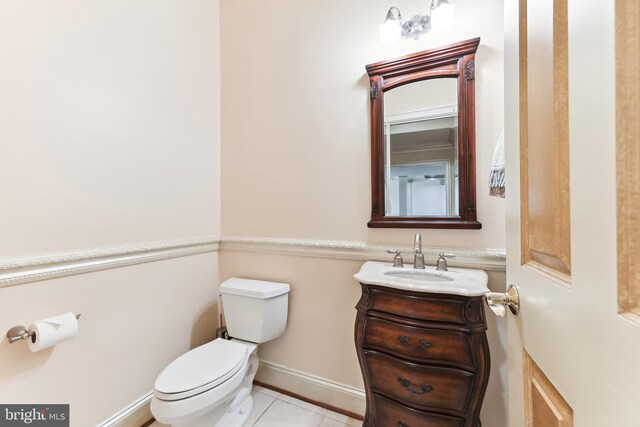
(319, 335)
(295, 72)
(109, 122)
(135, 320)
(108, 113)
(296, 158)
(109, 129)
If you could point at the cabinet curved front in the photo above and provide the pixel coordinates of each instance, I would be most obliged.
(424, 357)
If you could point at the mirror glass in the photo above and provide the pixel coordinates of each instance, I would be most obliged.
(421, 149)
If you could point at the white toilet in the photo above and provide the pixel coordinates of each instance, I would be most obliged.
(210, 386)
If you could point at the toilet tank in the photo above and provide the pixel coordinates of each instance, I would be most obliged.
(255, 310)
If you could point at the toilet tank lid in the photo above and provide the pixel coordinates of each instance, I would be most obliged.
(253, 288)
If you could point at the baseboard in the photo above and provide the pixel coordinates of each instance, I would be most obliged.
(134, 415)
(349, 399)
(318, 389)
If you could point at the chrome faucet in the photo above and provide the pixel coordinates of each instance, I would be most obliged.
(418, 258)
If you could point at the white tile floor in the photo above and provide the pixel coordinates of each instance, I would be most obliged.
(272, 409)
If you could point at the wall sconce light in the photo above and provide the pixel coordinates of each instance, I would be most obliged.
(441, 15)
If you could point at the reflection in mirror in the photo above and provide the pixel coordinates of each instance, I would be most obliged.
(421, 149)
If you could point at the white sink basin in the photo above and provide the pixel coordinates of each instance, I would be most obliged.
(422, 276)
(457, 281)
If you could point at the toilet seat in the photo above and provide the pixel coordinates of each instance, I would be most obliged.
(201, 369)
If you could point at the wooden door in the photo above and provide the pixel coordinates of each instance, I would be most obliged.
(572, 120)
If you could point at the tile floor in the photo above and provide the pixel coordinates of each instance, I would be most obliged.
(272, 409)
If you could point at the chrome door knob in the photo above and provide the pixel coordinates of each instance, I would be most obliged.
(498, 301)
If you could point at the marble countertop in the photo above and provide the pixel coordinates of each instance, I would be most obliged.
(456, 281)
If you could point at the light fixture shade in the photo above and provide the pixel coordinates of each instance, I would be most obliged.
(391, 29)
(443, 15)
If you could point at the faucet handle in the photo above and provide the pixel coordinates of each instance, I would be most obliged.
(441, 265)
(397, 260)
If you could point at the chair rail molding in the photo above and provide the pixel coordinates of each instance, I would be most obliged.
(482, 259)
(32, 269)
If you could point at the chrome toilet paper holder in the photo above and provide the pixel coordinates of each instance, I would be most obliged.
(18, 333)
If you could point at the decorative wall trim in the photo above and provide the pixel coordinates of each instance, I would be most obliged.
(24, 270)
(33, 269)
(320, 389)
(485, 259)
(134, 415)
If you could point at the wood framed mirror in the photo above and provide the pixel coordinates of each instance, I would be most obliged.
(423, 168)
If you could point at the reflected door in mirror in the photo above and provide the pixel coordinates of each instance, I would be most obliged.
(421, 149)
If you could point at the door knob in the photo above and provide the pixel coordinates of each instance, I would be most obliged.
(498, 301)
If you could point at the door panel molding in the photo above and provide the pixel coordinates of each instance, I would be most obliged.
(628, 155)
(544, 405)
(544, 142)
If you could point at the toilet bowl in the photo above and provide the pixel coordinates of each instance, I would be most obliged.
(192, 386)
(210, 386)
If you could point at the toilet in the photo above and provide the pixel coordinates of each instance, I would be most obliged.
(210, 386)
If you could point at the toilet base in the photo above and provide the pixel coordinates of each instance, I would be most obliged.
(221, 417)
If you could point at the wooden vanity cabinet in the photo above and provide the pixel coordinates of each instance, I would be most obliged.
(424, 357)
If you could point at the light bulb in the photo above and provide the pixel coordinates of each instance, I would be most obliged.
(443, 16)
(391, 29)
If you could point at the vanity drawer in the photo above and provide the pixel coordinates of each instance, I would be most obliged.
(419, 344)
(436, 309)
(420, 386)
(391, 414)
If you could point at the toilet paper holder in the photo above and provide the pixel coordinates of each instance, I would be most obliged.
(18, 333)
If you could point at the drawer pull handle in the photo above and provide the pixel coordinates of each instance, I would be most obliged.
(421, 389)
(401, 424)
(406, 342)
